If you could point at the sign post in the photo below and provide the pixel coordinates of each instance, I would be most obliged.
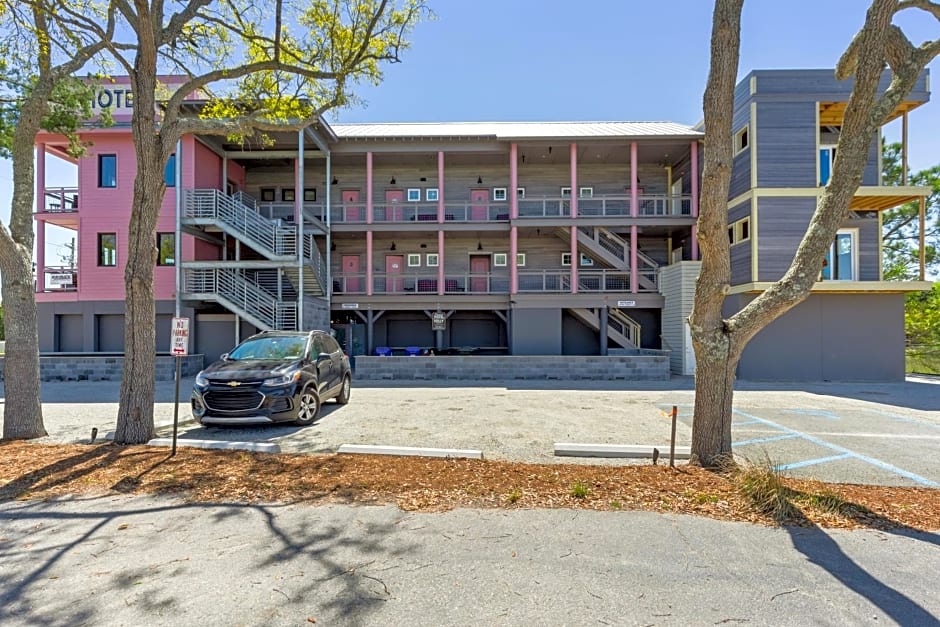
(179, 347)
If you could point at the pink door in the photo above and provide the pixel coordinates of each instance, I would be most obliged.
(352, 282)
(352, 211)
(393, 205)
(479, 270)
(479, 200)
(394, 264)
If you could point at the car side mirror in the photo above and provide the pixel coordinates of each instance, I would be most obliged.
(323, 357)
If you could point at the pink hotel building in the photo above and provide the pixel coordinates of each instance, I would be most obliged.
(528, 238)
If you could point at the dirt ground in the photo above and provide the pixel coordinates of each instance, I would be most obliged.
(38, 471)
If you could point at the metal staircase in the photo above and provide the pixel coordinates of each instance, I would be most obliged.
(210, 207)
(613, 250)
(235, 290)
(621, 328)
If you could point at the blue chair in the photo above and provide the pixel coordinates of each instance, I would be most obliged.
(412, 351)
(383, 351)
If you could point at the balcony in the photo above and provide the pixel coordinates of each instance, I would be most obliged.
(59, 206)
(649, 205)
(59, 279)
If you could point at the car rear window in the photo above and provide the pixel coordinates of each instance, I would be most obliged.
(279, 348)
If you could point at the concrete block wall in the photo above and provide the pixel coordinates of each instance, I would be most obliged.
(106, 367)
(653, 366)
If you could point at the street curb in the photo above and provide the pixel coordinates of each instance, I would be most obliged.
(567, 449)
(411, 451)
(257, 447)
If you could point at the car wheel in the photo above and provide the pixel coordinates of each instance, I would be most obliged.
(309, 409)
(343, 397)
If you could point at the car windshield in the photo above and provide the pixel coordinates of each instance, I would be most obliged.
(279, 348)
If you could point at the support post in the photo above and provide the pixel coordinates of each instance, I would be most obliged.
(672, 438)
(574, 214)
(440, 220)
(602, 324)
(923, 227)
(513, 214)
(694, 168)
(299, 221)
(328, 190)
(178, 231)
(176, 401)
(904, 149)
(369, 279)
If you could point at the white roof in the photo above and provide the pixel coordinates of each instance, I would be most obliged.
(514, 130)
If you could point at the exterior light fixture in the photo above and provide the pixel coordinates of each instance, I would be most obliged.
(479, 180)
(392, 247)
(392, 182)
(335, 181)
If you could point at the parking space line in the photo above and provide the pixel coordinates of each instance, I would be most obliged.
(822, 413)
(841, 449)
(744, 422)
(901, 418)
(812, 462)
(774, 438)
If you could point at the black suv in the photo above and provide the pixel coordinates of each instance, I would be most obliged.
(276, 376)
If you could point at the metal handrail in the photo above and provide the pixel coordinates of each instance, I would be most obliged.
(628, 327)
(59, 200)
(268, 235)
(243, 294)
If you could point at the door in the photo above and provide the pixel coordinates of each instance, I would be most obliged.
(394, 264)
(841, 263)
(323, 367)
(351, 281)
(479, 202)
(393, 205)
(352, 211)
(479, 273)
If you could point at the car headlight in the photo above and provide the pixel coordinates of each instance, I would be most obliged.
(202, 381)
(284, 379)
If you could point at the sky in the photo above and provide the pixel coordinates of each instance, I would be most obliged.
(630, 60)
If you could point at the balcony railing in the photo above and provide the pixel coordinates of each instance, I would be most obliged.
(59, 279)
(537, 281)
(605, 206)
(59, 200)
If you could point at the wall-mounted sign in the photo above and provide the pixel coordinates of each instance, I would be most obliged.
(114, 98)
(438, 321)
(350, 305)
(626, 303)
(61, 279)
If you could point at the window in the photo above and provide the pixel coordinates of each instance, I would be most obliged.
(107, 249)
(267, 194)
(740, 140)
(827, 156)
(566, 259)
(431, 260)
(586, 261)
(520, 192)
(432, 194)
(166, 249)
(169, 172)
(107, 170)
(310, 194)
(414, 260)
(414, 194)
(841, 263)
(566, 192)
(585, 192)
(499, 259)
(499, 194)
(287, 195)
(520, 260)
(739, 231)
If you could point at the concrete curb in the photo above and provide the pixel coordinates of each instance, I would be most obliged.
(163, 425)
(411, 451)
(567, 449)
(257, 447)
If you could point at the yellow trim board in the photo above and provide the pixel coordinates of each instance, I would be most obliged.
(845, 287)
(752, 131)
(755, 255)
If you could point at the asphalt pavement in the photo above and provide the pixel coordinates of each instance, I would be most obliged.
(158, 561)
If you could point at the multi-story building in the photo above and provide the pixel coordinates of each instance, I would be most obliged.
(543, 238)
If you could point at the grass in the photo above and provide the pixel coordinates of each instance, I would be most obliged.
(514, 496)
(579, 490)
(764, 488)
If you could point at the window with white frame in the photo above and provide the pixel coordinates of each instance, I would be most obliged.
(741, 140)
(739, 231)
(841, 263)
(566, 259)
(431, 194)
(499, 194)
(499, 259)
(566, 192)
(431, 260)
(414, 194)
(585, 192)
(520, 260)
(414, 260)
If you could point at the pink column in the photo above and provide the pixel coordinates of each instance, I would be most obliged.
(440, 188)
(440, 263)
(695, 199)
(634, 212)
(513, 214)
(41, 178)
(369, 221)
(40, 254)
(574, 215)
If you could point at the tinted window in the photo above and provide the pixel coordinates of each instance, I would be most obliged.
(169, 173)
(271, 347)
(107, 249)
(329, 344)
(166, 249)
(107, 170)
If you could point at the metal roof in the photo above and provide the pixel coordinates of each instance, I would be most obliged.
(515, 130)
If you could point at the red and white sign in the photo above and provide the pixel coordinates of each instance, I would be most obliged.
(179, 336)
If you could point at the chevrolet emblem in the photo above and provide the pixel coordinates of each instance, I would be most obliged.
(233, 384)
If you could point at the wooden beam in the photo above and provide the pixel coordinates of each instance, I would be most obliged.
(923, 227)
(904, 148)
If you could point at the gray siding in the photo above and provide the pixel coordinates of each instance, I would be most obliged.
(786, 144)
(741, 263)
(577, 337)
(677, 283)
(871, 175)
(740, 210)
(844, 337)
(868, 237)
(536, 332)
(822, 84)
(68, 333)
(741, 166)
(781, 225)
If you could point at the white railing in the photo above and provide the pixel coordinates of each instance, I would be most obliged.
(270, 236)
(242, 294)
(544, 280)
(625, 326)
(603, 280)
(315, 259)
(617, 205)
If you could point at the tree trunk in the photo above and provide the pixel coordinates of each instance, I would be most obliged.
(715, 366)
(22, 408)
(135, 414)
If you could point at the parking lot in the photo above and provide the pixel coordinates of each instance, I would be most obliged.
(870, 433)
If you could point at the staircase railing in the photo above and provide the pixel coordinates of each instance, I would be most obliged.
(620, 247)
(239, 214)
(242, 294)
(315, 259)
(625, 326)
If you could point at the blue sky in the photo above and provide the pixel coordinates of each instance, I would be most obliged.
(595, 60)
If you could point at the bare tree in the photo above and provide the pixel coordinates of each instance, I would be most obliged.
(720, 341)
(37, 91)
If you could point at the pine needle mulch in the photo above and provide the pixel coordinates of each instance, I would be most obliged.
(38, 471)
